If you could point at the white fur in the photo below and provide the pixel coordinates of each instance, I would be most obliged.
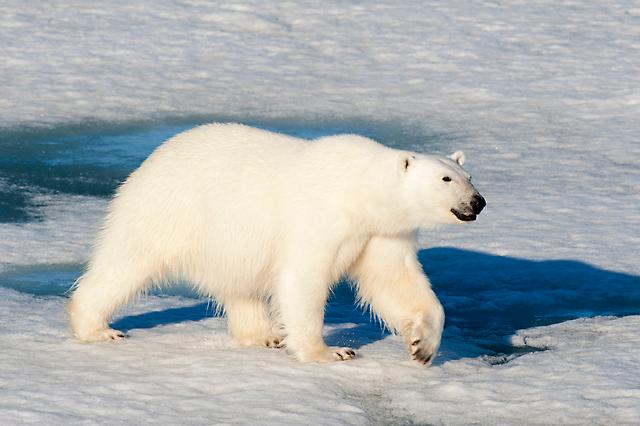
(265, 223)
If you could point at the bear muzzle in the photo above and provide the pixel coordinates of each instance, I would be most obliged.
(474, 208)
(478, 203)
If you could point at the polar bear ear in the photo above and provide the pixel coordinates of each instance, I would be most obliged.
(405, 162)
(458, 157)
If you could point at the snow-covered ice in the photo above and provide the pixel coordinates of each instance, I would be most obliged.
(541, 294)
(177, 368)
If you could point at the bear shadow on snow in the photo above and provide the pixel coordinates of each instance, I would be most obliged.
(486, 299)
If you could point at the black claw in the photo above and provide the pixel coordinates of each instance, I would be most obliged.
(421, 357)
(350, 352)
(340, 355)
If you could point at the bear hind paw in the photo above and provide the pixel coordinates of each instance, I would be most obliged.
(270, 341)
(328, 354)
(275, 342)
(103, 335)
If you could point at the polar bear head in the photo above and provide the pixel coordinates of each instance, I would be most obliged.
(437, 189)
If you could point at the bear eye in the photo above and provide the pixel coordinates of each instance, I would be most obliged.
(446, 179)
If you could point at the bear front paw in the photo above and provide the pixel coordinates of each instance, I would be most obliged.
(423, 338)
(423, 352)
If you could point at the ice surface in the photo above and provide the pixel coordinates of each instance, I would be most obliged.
(63, 235)
(544, 98)
(179, 368)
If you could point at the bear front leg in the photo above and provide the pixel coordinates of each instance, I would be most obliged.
(390, 280)
(301, 297)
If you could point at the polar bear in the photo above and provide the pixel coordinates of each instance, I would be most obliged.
(266, 223)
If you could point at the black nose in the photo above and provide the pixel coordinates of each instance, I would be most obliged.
(478, 203)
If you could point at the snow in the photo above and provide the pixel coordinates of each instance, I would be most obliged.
(541, 387)
(63, 235)
(182, 369)
(182, 373)
(541, 293)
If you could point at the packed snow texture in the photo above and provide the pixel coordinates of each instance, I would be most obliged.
(543, 96)
(189, 372)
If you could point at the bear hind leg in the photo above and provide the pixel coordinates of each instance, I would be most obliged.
(250, 323)
(97, 295)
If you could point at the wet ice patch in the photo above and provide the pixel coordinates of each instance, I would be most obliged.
(63, 235)
(36, 164)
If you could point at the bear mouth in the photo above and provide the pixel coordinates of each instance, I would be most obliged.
(463, 217)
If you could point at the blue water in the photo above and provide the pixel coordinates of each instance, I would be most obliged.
(83, 164)
(486, 297)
